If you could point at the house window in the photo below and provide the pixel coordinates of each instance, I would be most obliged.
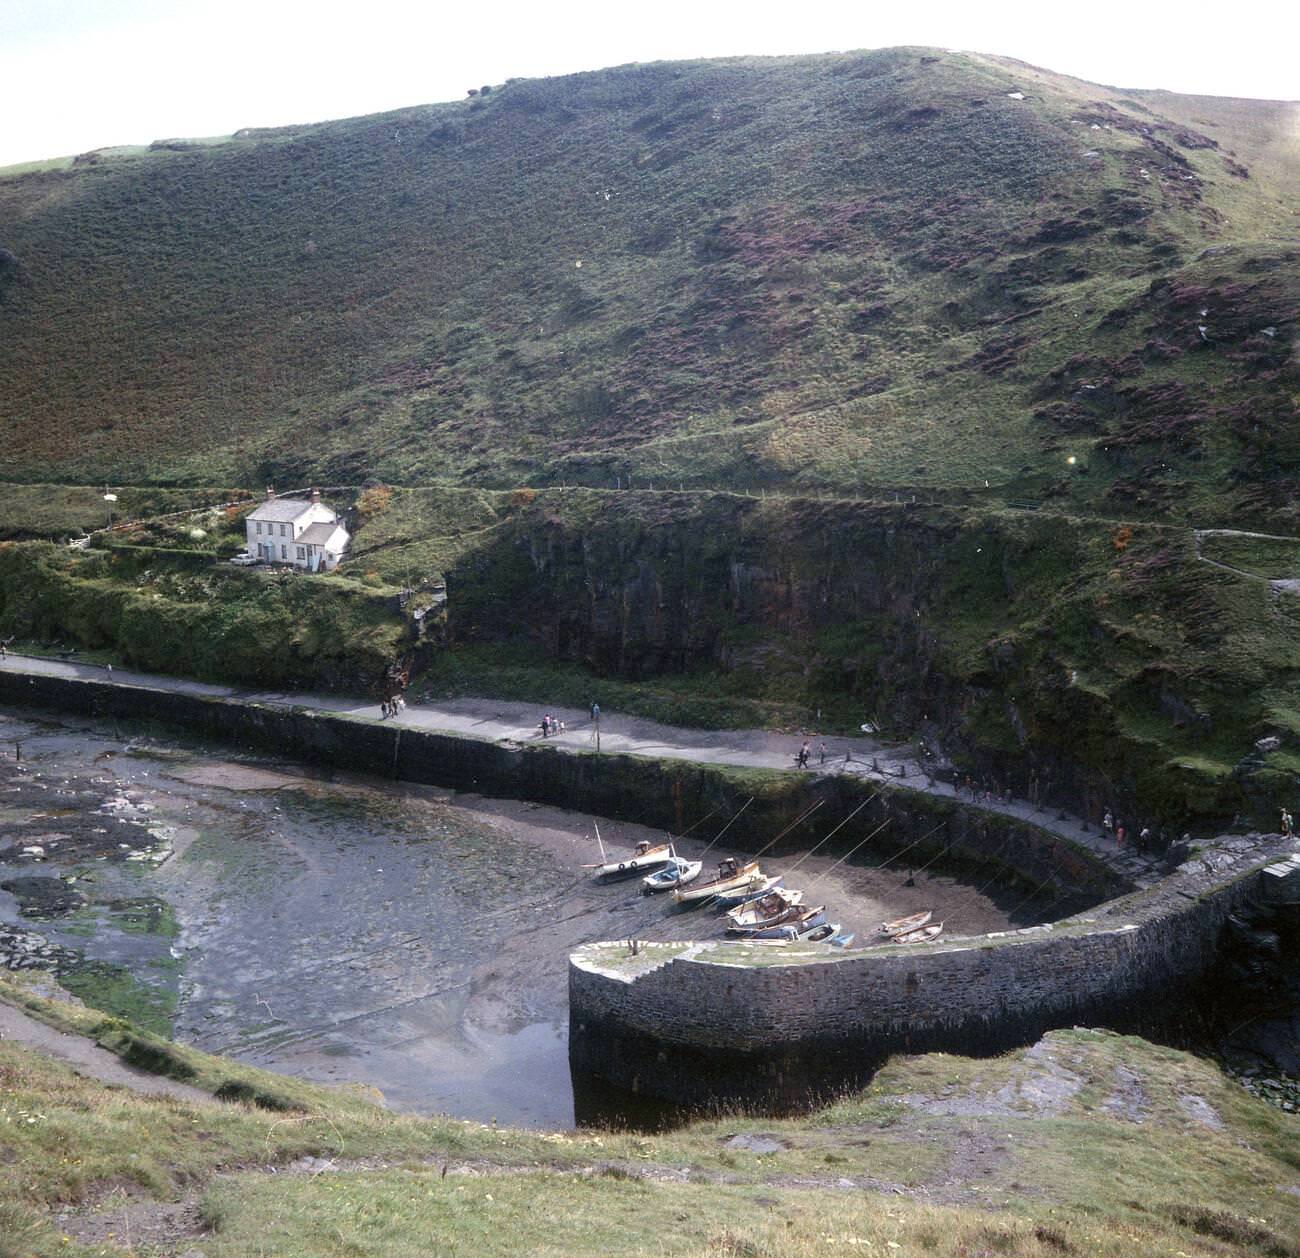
(282, 530)
(284, 551)
(302, 552)
(259, 530)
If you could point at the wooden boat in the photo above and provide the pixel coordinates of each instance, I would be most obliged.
(731, 875)
(768, 910)
(797, 926)
(677, 873)
(901, 925)
(825, 932)
(646, 856)
(743, 895)
(923, 935)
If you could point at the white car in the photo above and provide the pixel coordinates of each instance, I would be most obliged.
(244, 560)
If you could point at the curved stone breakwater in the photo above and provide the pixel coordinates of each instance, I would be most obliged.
(717, 1023)
(666, 793)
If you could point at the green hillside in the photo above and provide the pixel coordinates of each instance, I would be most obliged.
(899, 384)
(898, 269)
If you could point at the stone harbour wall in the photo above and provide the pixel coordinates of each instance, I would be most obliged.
(669, 794)
(712, 1025)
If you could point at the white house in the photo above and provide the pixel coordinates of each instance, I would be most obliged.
(306, 534)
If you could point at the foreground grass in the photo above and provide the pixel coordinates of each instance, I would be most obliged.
(941, 1156)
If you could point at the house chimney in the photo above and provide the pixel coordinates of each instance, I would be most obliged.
(270, 491)
(315, 495)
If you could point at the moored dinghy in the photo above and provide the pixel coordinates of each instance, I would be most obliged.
(753, 891)
(824, 932)
(923, 934)
(677, 873)
(646, 856)
(769, 910)
(731, 876)
(901, 925)
(797, 926)
(821, 932)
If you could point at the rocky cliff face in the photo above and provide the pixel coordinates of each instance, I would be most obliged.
(1020, 646)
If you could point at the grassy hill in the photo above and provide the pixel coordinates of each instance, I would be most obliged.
(903, 269)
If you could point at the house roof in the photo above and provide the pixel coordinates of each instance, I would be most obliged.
(320, 533)
(282, 509)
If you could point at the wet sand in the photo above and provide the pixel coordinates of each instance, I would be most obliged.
(344, 928)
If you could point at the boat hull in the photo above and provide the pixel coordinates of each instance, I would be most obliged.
(902, 925)
(675, 875)
(743, 895)
(639, 863)
(699, 891)
(924, 935)
(803, 922)
(750, 917)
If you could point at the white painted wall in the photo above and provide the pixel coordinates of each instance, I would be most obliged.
(282, 535)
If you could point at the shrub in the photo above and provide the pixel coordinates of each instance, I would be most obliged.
(374, 500)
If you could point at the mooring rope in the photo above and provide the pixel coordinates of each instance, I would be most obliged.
(837, 829)
(853, 849)
(799, 820)
(897, 855)
(727, 827)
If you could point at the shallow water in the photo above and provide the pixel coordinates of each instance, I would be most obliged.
(347, 929)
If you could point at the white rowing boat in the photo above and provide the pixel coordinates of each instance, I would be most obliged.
(923, 935)
(677, 873)
(901, 925)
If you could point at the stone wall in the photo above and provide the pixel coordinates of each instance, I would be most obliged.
(713, 1026)
(669, 794)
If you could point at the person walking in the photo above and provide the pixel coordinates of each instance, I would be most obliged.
(822, 749)
(1286, 823)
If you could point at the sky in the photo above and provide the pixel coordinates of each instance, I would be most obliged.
(83, 74)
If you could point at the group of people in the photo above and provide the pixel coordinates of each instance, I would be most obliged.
(551, 726)
(986, 792)
(391, 707)
(802, 755)
(1145, 839)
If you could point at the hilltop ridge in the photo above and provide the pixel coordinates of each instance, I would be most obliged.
(906, 269)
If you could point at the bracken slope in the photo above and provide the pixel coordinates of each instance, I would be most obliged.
(906, 269)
